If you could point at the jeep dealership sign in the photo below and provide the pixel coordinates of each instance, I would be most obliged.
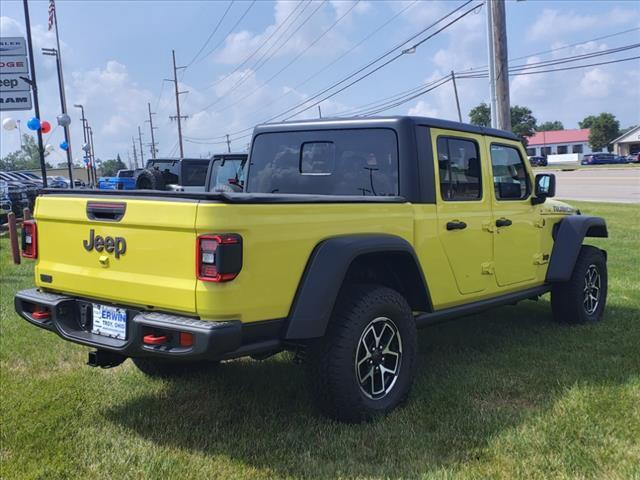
(15, 91)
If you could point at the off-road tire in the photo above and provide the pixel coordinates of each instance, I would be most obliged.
(331, 360)
(154, 367)
(569, 303)
(150, 179)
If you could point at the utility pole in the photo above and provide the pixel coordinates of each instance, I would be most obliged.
(34, 87)
(129, 160)
(455, 90)
(319, 112)
(140, 140)
(492, 73)
(228, 144)
(135, 154)
(152, 128)
(93, 156)
(177, 116)
(501, 63)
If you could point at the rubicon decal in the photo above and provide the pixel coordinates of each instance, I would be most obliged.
(115, 245)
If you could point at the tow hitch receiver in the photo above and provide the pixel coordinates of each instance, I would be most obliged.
(105, 359)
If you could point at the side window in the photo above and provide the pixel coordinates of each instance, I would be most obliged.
(459, 167)
(510, 178)
(194, 174)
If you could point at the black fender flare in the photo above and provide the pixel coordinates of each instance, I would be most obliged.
(324, 274)
(568, 238)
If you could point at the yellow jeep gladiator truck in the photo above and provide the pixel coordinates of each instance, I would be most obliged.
(348, 236)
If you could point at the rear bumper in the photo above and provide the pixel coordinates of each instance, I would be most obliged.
(212, 340)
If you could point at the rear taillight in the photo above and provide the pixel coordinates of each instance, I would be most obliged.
(29, 239)
(218, 257)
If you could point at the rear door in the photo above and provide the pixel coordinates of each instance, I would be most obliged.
(517, 238)
(133, 251)
(463, 208)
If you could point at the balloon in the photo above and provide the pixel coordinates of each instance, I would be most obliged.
(45, 127)
(63, 120)
(33, 124)
(9, 124)
(64, 145)
(48, 148)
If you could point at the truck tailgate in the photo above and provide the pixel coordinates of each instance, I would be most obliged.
(156, 268)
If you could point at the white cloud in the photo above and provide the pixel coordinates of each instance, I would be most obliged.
(553, 23)
(423, 109)
(596, 83)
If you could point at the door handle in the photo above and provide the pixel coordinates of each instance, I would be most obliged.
(503, 222)
(456, 225)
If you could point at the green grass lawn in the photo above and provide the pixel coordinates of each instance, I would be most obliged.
(507, 394)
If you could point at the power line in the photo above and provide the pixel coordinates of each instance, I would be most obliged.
(213, 32)
(412, 48)
(230, 31)
(259, 65)
(263, 44)
(324, 68)
(292, 61)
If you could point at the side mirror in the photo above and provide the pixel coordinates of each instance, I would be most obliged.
(545, 187)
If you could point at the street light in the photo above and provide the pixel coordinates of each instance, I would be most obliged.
(63, 106)
(86, 141)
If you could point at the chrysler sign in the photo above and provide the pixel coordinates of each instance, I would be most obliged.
(15, 90)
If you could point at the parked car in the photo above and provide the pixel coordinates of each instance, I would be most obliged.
(32, 187)
(57, 182)
(537, 161)
(348, 236)
(633, 158)
(18, 197)
(124, 180)
(191, 174)
(599, 159)
(5, 201)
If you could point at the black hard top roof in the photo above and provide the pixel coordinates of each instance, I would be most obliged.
(396, 122)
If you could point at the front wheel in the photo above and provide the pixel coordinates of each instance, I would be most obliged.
(582, 299)
(365, 364)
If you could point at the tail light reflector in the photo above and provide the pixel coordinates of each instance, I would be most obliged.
(218, 257)
(29, 239)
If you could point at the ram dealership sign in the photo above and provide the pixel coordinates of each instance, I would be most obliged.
(15, 91)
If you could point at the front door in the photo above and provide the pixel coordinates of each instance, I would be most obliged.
(464, 209)
(517, 238)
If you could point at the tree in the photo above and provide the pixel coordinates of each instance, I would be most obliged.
(480, 115)
(109, 168)
(523, 123)
(549, 126)
(27, 158)
(604, 128)
(587, 122)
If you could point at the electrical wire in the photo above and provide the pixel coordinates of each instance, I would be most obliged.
(251, 71)
(213, 32)
(262, 44)
(292, 61)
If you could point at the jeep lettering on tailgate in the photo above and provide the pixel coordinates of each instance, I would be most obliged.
(117, 245)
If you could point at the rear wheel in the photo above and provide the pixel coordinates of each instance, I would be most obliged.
(155, 367)
(365, 364)
(582, 299)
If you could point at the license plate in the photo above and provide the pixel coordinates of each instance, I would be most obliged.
(109, 321)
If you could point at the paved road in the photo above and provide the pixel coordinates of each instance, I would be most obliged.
(599, 184)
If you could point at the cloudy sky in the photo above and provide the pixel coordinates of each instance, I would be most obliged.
(266, 57)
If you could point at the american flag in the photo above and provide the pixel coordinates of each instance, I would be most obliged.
(52, 13)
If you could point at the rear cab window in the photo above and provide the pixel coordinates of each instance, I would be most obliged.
(362, 162)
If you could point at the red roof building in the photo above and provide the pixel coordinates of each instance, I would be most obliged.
(559, 142)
